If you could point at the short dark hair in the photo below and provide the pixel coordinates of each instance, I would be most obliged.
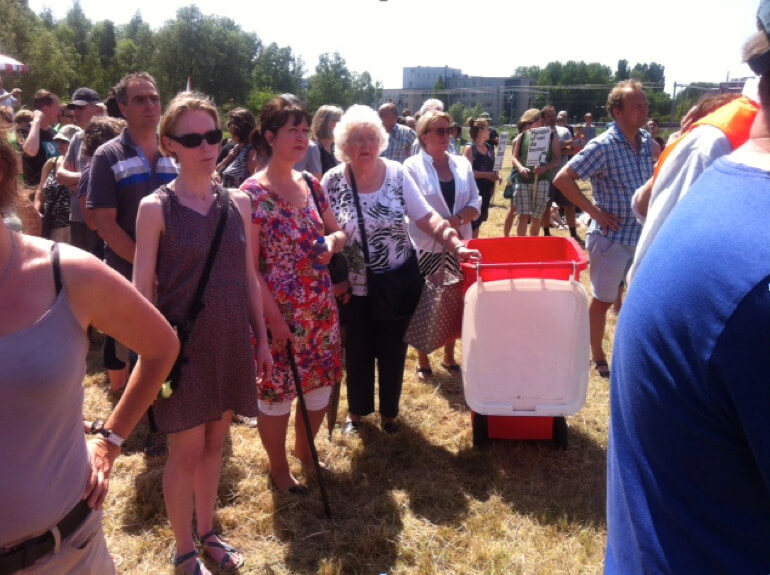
(101, 129)
(42, 99)
(121, 88)
(274, 115)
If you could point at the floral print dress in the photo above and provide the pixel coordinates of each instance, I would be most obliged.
(301, 287)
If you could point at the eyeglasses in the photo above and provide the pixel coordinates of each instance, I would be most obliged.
(194, 140)
(368, 139)
(441, 132)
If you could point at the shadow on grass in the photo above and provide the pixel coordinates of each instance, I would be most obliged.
(389, 473)
(534, 478)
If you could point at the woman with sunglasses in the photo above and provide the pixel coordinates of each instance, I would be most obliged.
(447, 183)
(294, 234)
(175, 230)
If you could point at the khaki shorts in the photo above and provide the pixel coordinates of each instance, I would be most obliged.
(84, 552)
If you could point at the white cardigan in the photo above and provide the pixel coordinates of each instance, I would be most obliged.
(420, 167)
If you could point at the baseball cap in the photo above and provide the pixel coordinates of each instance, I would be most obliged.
(84, 96)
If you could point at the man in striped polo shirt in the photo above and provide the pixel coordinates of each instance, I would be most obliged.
(126, 169)
(123, 171)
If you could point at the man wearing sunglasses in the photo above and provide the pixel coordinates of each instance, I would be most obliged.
(126, 169)
(122, 172)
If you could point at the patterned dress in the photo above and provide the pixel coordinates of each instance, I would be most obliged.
(302, 289)
(219, 375)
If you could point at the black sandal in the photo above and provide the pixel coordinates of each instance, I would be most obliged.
(602, 368)
(232, 560)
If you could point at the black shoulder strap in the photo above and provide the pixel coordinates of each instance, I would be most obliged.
(56, 267)
(360, 215)
(197, 303)
(310, 187)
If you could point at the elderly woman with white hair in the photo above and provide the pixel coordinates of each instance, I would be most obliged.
(374, 195)
(448, 185)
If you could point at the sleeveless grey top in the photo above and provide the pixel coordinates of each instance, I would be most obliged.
(43, 456)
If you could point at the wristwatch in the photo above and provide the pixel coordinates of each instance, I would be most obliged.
(111, 436)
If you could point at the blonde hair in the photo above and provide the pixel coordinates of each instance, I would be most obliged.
(357, 116)
(184, 102)
(430, 119)
(322, 121)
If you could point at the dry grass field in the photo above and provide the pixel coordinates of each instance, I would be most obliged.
(422, 501)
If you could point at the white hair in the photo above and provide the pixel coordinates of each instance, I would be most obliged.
(431, 104)
(357, 116)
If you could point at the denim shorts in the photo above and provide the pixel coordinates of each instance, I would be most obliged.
(609, 264)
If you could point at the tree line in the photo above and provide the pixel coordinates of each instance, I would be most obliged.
(233, 66)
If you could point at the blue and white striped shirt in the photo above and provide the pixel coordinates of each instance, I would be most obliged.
(616, 170)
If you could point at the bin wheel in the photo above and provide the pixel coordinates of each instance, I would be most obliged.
(560, 433)
(480, 430)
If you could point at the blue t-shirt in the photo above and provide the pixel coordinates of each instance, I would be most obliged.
(689, 457)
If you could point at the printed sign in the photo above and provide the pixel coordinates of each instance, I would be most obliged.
(539, 142)
(504, 137)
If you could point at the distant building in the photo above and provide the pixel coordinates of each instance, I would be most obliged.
(734, 86)
(499, 96)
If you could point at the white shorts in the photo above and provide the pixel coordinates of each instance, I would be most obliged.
(315, 400)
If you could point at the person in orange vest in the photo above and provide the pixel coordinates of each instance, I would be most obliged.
(684, 160)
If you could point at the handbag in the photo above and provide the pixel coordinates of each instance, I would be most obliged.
(184, 329)
(393, 294)
(439, 314)
(338, 266)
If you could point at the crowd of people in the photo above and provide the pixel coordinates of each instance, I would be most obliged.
(213, 272)
(222, 254)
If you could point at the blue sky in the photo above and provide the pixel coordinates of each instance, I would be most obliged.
(696, 40)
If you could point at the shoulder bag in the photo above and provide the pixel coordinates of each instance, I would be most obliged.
(393, 294)
(338, 266)
(439, 315)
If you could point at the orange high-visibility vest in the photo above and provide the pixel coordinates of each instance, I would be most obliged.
(734, 119)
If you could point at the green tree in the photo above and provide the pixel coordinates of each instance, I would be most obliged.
(331, 83)
(211, 50)
(363, 91)
(622, 73)
(457, 111)
(277, 70)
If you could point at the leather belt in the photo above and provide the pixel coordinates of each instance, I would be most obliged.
(25, 554)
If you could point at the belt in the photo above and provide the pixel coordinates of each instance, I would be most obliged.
(25, 554)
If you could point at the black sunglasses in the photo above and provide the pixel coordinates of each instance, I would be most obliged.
(194, 140)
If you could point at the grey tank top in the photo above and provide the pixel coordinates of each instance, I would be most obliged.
(43, 456)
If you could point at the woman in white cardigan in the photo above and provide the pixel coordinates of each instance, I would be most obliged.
(447, 182)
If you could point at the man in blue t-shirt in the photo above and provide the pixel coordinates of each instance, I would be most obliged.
(689, 456)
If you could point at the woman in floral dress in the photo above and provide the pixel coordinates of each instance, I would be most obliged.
(298, 300)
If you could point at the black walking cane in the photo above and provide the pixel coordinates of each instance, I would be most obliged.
(308, 429)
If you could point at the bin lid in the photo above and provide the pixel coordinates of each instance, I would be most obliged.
(526, 347)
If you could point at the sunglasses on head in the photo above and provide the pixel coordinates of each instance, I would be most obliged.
(194, 140)
(442, 131)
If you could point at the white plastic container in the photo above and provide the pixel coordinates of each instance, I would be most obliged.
(526, 348)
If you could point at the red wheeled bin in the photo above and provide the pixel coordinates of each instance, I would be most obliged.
(525, 338)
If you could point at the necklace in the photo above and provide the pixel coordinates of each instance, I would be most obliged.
(7, 270)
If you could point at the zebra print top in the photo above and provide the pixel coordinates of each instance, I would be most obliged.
(385, 220)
